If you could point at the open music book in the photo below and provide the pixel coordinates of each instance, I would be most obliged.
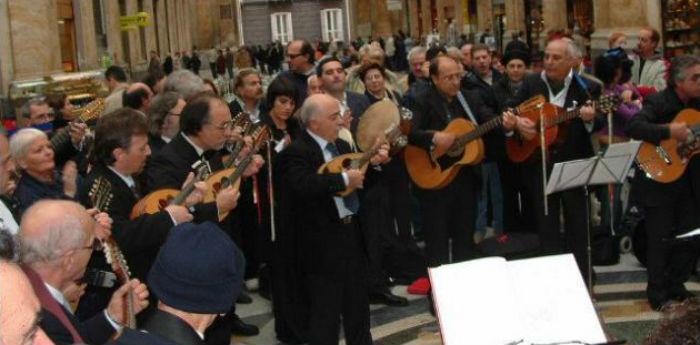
(492, 301)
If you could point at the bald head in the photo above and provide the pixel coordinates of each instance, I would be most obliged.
(560, 56)
(138, 96)
(50, 228)
(320, 113)
(19, 308)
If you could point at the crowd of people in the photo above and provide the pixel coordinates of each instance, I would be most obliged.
(323, 245)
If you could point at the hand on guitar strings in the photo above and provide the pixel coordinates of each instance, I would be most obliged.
(197, 195)
(117, 308)
(103, 223)
(526, 128)
(443, 140)
(227, 199)
(77, 132)
(679, 131)
(509, 120)
(587, 112)
(254, 166)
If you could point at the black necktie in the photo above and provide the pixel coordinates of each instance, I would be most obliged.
(351, 201)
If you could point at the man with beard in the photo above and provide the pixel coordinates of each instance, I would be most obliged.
(249, 93)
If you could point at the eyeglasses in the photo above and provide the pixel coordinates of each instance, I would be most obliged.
(224, 126)
(95, 246)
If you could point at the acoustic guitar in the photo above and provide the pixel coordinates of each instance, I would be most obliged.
(519, 149)
(232, 176)
(101, 196)
(438, 168)
(358, 160)
(158, 200)
(667, 162)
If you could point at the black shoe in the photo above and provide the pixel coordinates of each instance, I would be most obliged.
(238, 327)
(387, 298)
(660, 305)
(680, 294)
(244, 298)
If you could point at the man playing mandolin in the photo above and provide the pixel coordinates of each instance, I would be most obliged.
(670, 208)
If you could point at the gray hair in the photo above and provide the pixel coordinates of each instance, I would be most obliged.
(679, 68)
(160, 107)
(572, 49)
(415, 51)
(20, 142)
(55, 239)
(26, 107)
(184, 82)
(308, 111)
(455, 53)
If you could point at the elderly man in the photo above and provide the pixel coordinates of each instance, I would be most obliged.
(416, 59)
(649, 67)
(333, 254)
(561, 86)
(185, 83)
(56, 240)
(670, 208)
(19, 309)
(196, 276)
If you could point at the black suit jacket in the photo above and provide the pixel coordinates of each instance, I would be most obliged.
(650, 125)
(161, 328)
(169, 169)
(307, 197)
(156, 143)
(94, 331)
(139, 239)
(357, 103)
(574, 139)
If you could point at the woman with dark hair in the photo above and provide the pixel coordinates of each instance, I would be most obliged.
(374, 77)
(62, 109)
(280, 101)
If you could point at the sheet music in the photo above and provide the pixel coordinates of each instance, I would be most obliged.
(614, 164)
(494, 302)
(470, 299)
(569, 175)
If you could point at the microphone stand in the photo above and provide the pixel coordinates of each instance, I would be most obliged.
(543, 151)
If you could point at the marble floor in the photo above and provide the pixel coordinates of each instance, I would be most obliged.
(619, 299)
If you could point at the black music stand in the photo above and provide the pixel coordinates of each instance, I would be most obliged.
(609, 167)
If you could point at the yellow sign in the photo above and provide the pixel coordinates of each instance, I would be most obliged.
(134, 21)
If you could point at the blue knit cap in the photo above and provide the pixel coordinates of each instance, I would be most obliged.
(198, 270)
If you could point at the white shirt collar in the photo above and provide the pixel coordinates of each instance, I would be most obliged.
(58, 296)
(127, 179)
(320, 141)
(560, 98)
(196, 148)
(166, 139)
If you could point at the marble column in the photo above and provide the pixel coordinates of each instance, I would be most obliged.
(136, 56)
(626, 16)
(113, 32)
(554, 15)
(426, 17)
(414, 20)
(363, 18)
(172, 27)
(515, 19)
(150, 30)
(162, 24)
(85, 38)
(33, 38)
(6, 72)
(484, 15)
(179, 19)
(381, 21)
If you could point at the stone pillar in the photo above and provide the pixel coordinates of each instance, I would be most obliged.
(515, 15)
(626, 16)
(484, 15)
(413, 18)
(135, 53)
(426, 19)
(85, 34)
(172, 27)
(180, 20)
(6, 72)
(114, 34)
(381, 21)
(34, 42)
(162, 24)
(554, 15)
(186, 16)
(150, 30)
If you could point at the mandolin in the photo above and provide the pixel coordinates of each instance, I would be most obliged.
(89, 112)
(241, 122)
(438, 168)
(232, 176)
(519, 149)
(101, 196)
(158, 200)
(667, 162)
(358, 160)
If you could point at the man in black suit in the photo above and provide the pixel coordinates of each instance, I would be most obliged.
(669, 208)
(332, 76)
(331, 244)
(562, 86)
(205, 126)
(53, 265)
(449, 212)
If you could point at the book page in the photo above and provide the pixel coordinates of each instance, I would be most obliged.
(553, 302)
(474, 302)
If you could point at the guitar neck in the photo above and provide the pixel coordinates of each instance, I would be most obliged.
(478, 132)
